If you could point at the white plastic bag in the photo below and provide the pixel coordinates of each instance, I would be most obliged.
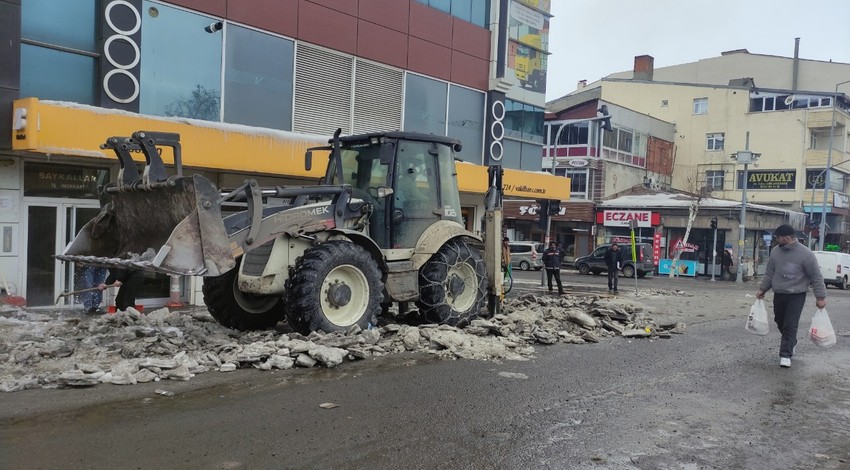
(757, 320)
(821, 332)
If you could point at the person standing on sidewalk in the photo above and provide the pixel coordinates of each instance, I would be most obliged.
(614, 262)
(791, 269)
(552, 262)
(726, 265)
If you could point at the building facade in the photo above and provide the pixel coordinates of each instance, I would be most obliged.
(632, 150)
(790, 111)
(248, 86)
(782, 108)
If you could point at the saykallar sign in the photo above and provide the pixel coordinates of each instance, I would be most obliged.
(621, 218)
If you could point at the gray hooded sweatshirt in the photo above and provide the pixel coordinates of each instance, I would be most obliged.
(791, 269)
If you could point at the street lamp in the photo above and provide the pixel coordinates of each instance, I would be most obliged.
(746, 157)
(828, 165)
(604, 124)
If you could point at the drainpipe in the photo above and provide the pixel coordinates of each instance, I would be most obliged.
(796, 70)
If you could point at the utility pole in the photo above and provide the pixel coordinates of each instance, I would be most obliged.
(714, 248)
(746, 157)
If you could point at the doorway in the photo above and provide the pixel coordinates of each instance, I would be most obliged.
(50, 226)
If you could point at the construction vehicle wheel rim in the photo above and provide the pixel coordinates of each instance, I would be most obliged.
(460, 287)
(345, 295)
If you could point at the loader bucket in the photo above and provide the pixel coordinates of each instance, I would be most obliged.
(172, 227)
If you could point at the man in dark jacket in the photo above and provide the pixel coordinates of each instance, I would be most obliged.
(552, 260)
(128, 282)
(614, 262)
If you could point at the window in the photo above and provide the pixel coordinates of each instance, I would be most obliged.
(714, 141)
(524, 121)
(435, 107)
(58, 40)
(572, 134)
(425, 105)
(578, 181)
(700, 105)
(664, 103)
(181, 64)
(473, 11)
(258, 79)
(466, 121)
(624, 142)
(714, 180)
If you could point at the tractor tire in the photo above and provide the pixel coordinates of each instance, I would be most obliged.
(583, 269)
(452, 285)
(628, 271)
(334, 286)
(239, 310)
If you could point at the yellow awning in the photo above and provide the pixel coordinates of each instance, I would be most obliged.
(53, 127)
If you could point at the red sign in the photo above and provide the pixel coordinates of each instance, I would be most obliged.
(621, 218)
(656, 248)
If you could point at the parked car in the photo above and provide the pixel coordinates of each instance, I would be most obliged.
(835, 267)
(595, 261)
(526, 255)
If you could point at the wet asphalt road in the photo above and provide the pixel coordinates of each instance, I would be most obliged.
(714, 397)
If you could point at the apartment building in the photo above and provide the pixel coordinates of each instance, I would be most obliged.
(783, 109)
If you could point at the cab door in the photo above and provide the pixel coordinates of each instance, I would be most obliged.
(416, 196)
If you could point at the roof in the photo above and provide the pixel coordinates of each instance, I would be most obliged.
(665, 200)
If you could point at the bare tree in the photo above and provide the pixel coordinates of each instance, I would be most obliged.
(202, 104)
(696, 192)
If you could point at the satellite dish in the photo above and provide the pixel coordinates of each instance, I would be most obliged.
(789, 100)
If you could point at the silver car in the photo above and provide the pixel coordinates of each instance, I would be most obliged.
(526, 255)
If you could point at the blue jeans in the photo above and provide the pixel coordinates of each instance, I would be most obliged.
(92, 276)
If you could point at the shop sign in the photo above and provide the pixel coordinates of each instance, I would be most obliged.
(656, 248)
(769, 179)
(621, 218)
(62, 181)
(578, 162)
(840, 200)
(535, 210)
(682, 267)
(683, 247)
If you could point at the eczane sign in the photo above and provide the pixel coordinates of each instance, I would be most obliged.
(621, 218)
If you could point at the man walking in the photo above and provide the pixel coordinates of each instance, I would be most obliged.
(613, 260)
(552, 262)
(790, 270)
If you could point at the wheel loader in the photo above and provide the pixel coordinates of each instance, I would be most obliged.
(382, 227)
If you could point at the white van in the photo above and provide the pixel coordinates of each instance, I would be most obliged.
(835, 268)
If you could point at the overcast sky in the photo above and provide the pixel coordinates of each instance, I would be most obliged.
(590, 39)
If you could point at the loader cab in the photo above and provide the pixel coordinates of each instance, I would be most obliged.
(420, 170)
